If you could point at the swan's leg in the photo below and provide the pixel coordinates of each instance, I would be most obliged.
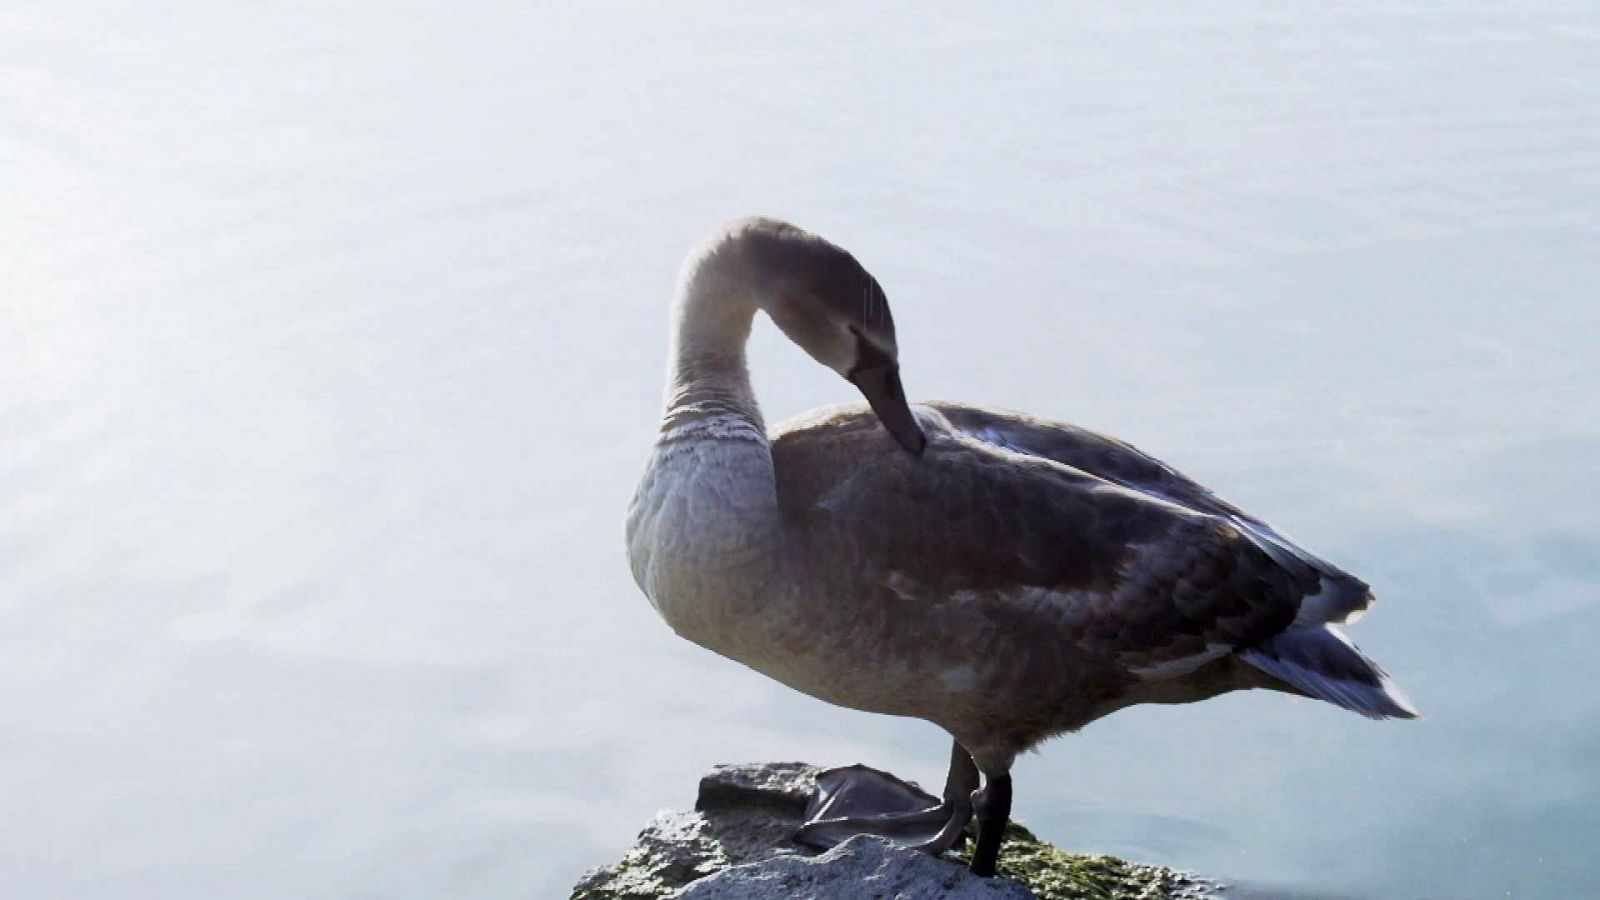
(957, 806)
(858, 800)
(993, 806)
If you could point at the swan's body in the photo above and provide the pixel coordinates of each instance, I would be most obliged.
(1004, 577)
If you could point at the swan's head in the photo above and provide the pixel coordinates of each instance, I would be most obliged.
(826, 302)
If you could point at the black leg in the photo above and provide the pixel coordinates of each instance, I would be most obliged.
(962, 779)
(959, 786)
(993, 806)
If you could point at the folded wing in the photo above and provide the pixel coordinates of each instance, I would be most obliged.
(1119, 555)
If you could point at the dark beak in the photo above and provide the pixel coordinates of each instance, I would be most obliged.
(880, 384)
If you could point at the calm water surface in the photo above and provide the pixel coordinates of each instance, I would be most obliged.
(330, 347)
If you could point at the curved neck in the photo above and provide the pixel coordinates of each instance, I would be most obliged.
(709, 496)
(708, 381)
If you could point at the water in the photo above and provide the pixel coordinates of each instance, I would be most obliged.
(330, 347)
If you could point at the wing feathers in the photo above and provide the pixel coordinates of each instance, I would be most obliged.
(1324, 664)
(1052, 526)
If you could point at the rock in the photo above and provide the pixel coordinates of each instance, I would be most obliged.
(744, 814)
(735, 844)
(862, 868)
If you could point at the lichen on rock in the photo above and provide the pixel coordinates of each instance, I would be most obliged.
(1056, 874)
(735, 845)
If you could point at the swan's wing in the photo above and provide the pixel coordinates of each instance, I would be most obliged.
(1333, 595)
(1153, 587)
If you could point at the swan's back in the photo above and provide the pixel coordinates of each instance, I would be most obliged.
(1340, 595)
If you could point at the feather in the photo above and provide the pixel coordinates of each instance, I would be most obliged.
(1324, 664)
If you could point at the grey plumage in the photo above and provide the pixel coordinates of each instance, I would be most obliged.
(1089, 574)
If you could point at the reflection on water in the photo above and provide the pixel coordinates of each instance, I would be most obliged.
(330, 342)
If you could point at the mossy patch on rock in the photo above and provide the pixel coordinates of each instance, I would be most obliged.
(1055, 874)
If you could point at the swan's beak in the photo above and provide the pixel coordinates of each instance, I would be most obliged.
(881, 386)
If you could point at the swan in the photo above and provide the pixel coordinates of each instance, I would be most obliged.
(1004, 577)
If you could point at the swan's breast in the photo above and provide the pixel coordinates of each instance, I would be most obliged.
(699, 534)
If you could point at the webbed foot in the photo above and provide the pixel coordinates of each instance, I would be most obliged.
(859, 800)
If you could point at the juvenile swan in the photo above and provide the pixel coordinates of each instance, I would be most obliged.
(1004, 577)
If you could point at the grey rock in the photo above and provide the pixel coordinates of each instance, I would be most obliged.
(862, 868)
(735, 844)
(784, 786)
(743, 814)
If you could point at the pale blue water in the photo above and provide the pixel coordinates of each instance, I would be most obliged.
(330, 347)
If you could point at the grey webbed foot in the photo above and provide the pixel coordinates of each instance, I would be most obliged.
(860, 800)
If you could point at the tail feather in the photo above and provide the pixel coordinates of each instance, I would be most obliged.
(1324, 664)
